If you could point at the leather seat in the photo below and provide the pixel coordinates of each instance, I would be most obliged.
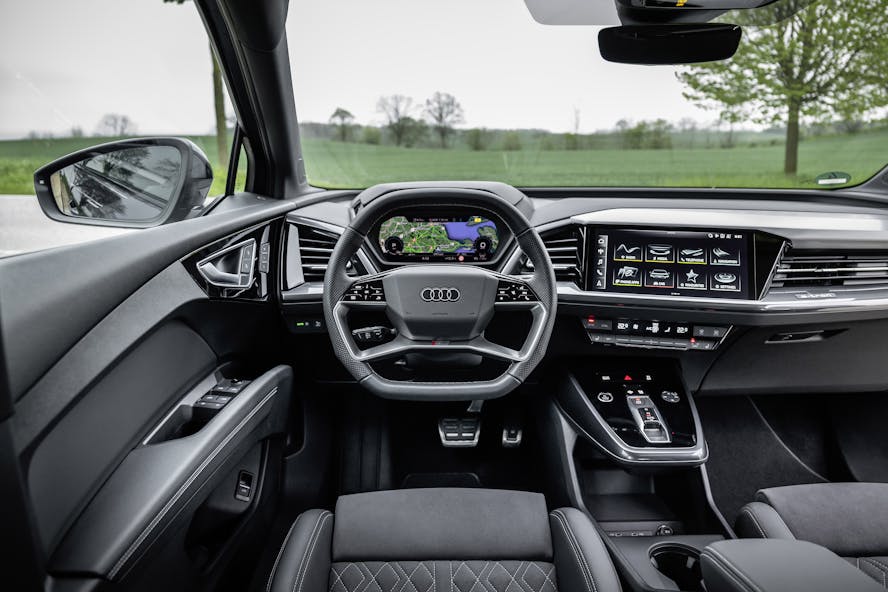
(849, 519)
(443, 540)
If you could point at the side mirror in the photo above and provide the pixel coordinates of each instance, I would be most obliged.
(131, 183)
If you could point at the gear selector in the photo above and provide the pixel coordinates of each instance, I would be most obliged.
(648, 418)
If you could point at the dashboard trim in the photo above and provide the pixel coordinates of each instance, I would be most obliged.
(802, 301)
(774, 222)
(831, 300)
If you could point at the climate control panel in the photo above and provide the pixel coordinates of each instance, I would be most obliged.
(654, 334)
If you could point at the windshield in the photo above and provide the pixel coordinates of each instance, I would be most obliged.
(396, 91)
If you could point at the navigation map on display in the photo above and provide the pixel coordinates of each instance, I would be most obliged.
(472, 236)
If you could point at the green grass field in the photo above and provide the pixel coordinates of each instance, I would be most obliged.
(351, 165)
(339, 165)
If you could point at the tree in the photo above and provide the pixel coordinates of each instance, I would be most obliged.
(115, 124)
(622, 128)
(512, 141)
(799, 59)
(477, 138)
(218, 103)
(572, 139)
(372, 135)
(444, 112)
(688, 128)
(397, 109)
(659, 136)
(414, 131)
(342, 119)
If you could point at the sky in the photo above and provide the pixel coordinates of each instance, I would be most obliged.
(65, 63)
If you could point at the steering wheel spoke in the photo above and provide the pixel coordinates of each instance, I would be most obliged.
(401, 345)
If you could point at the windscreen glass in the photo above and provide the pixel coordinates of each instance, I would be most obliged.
(414, 91)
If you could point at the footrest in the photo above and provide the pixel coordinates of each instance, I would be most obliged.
(459, 431)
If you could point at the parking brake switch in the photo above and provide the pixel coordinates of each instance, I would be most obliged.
(205, 408)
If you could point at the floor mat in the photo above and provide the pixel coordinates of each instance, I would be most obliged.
(860, 428)
(745, 454)
(806, 424)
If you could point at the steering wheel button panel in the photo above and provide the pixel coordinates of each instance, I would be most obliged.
(369, 291)
(511, 291)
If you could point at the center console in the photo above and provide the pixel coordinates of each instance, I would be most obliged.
(634, 467)
(637, 413)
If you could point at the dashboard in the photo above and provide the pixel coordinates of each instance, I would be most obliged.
(755, 292)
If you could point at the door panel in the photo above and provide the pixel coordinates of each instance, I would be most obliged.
(107, 422)
(50, 299)
(156, 484)
(101, 342)
(98, 350)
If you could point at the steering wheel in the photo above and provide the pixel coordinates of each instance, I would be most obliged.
(440, 309)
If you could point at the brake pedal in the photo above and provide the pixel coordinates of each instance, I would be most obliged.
(459, 431)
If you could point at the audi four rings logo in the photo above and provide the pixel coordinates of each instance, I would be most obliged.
(439, 294)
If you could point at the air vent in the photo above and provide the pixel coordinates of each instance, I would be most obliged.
(565, 248)
(315, 247)
(807, 269)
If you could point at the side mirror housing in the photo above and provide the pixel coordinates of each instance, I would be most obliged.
(135, 183)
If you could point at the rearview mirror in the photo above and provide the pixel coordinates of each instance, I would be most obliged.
(668, 44)
(131, 183)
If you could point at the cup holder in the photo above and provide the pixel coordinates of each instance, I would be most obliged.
(680, 563)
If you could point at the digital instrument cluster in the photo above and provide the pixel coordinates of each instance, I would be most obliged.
(445, 238)
(683, 263)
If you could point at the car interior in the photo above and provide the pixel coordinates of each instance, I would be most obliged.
(601, 389)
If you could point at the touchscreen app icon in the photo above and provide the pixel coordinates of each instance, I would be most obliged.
(627, 275)
(625, 252)
(725, 256)
(693, 280)
(725, 280)
(692, 255)
(659, 278)
(660, 253)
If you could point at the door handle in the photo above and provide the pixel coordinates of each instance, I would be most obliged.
(221, 278)
(231, 267)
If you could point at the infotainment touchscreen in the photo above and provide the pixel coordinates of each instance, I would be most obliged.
(455, 238)
(685, 263)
